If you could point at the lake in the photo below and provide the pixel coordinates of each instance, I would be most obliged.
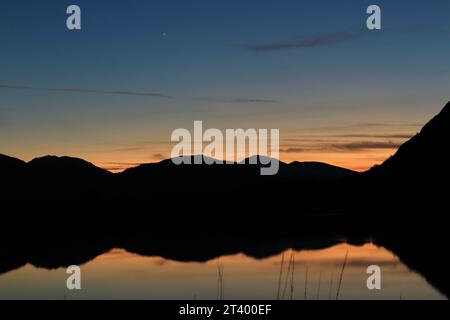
(119, 274)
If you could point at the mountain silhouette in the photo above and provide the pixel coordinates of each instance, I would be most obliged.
(59, 201)
(10, 166)
(238, 173)
(65, 166)
(424, 155)
(9, 163)
(414, 172)
(412, 179)
(319, 171)
(12, 173)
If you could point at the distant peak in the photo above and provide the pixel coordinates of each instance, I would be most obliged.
(316, 164)
(52, 162)
(52, 158)
(10, 162)
(45, 158)
(191, 159)
(8, 158)
(258, 159)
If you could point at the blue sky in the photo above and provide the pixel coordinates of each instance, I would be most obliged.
(200, 57)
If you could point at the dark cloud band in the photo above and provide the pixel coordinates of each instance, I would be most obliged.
(137, 93)
(307, 42)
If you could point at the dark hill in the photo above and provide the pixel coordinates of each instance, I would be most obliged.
(12, 172)
(65, 166)
(410, 186)
(411, 179)
(10, 163)
(425, 156)
(10, 167)
(247, 171)
(318, 171)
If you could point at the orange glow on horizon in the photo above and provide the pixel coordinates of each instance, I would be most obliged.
(357, 161)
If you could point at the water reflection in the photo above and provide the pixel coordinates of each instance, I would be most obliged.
(119, 274)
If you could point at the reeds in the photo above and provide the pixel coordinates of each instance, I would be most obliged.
(289, 278)
(286, 281)
(341, 276)
(292, 277)
(330, 291)
(306, 283)
(318, 286)
(280, 277)
(289, 273)
(220, 282)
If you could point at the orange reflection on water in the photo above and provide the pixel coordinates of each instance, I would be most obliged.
(122, 275)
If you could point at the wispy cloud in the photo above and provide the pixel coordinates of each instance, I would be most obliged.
(357, 146)
(384, 136)
(293, 150)
(123, 163)
(136, 93)
(118, 166)
(331, 38)
(364, 145)
(232, 100)
(303, 42)
(136, 146)
(81, 90)
(359, 127)
(159, 156)
(339, 137)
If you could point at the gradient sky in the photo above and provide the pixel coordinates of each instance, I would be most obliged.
(338, 92)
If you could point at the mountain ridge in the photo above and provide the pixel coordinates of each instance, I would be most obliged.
(425, 148)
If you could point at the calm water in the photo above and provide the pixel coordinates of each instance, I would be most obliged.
(122, 275)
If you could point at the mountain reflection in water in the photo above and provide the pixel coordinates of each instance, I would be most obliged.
(119, 274)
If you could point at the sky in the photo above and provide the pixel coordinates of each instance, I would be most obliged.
(113, 92)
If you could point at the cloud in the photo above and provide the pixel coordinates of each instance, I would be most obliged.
(80, 90)
(377, 125)
(293, 150)
(372, 125)
(364, 145)
(387, 136)
(136, 93)
(118, 166)
(337, 137)
(129, 149)
(224, 100)
(123, 163)
(340, 147)
(304, 42)
(159, 156)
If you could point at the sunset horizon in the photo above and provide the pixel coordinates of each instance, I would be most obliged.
(224, 159)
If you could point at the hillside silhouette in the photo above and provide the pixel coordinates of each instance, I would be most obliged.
(56, 186)
(191, 192)
(412, 182)
(56, 205)
(424, 156)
